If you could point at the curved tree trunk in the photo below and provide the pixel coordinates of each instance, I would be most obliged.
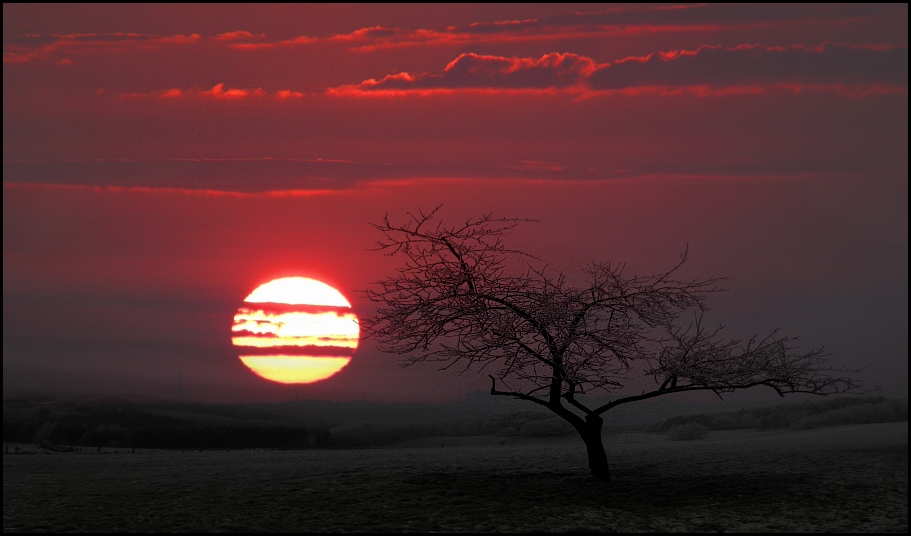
(597, 458)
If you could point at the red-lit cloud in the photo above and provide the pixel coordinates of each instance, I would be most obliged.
(570, 26)
(376, 32)
(745, 64)
(300, 40)
(740, 69)
(593, 25)
(218, 92)
(233, 36)
(32, 47)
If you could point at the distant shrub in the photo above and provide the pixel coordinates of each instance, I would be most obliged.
(373, 434)
(546, 427)
(674, 422)
(798, 416)
(460, 427)
(45, 433)
(688, 432)
(746, 420)
(507, 424)
(785, 416)
(105, 435)
(886, 411)
(725, 422)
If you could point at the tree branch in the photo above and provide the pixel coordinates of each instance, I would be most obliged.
(454, 300)
(522, 396)
(717, 388)
(571, 398)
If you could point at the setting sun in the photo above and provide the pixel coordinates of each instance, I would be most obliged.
(295, 330)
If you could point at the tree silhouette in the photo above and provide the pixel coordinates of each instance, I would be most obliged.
(461, 299)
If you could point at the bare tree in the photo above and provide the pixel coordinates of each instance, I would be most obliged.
(458, 301)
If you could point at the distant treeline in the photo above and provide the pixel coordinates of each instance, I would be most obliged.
(126, 425)
(131, 426)
(102, 426)
(801, 416)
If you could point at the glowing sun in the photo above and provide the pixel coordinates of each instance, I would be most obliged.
(295, 330)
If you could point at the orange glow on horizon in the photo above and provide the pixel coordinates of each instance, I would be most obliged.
(270, 323)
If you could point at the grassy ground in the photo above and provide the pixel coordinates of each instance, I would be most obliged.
(847, 478)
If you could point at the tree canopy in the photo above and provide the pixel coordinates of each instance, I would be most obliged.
(464, 299)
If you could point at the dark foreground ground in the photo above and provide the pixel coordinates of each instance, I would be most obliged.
(846, 478)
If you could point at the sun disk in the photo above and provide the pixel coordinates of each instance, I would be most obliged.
(295, 330)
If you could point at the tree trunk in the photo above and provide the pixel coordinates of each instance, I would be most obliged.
(597, 458)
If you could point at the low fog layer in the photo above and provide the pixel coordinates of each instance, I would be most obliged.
(113, 423)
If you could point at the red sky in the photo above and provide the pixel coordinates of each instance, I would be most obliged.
(159, 162)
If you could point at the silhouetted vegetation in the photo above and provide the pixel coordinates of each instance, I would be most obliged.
(799, 416)
(203, 426)
(189, 426)
(688, 432)
(119, 426)
(462, 298)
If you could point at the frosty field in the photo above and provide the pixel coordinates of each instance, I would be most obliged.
(846, 478)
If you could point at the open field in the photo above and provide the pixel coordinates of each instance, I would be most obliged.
(846, 478)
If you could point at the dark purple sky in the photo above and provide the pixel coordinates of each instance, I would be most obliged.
(159, 162)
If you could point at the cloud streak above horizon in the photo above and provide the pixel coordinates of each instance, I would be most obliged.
(611, 23)
(543, 93)
(828, 65)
